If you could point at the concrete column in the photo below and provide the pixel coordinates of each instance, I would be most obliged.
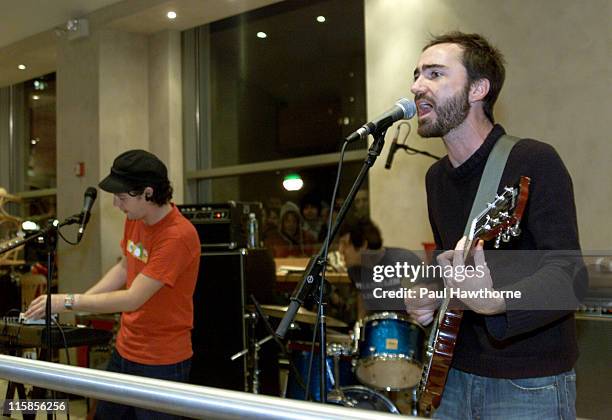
(103, 110)
(165, 105)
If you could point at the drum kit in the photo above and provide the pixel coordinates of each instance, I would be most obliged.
(381, 357)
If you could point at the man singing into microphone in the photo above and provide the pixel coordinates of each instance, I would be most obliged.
(152, 285)
(509, 361)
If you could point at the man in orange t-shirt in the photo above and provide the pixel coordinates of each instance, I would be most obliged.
(152, 285)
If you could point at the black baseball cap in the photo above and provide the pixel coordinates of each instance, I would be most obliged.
(133, 170)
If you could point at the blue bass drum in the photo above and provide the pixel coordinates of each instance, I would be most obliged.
(390, 352)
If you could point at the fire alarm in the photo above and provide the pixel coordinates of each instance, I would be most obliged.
(79, 169)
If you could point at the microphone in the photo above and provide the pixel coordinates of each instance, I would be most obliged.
(88, 200)
(403, 109)
(392, 149)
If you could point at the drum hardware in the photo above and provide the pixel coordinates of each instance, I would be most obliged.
(343, 360)
(415, 401)
(303, 315)
(308, 317)
(338, 338)
(356, 337)
(253, 350)
(361, 352)
(336, 350)
(338, 369)
(255, 346)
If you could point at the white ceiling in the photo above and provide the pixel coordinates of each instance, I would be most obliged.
(23, 18)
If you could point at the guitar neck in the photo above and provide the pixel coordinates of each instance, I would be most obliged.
(469, 245)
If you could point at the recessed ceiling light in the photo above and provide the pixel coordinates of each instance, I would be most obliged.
(320, 19)
(171, 15)
(262, 35)
(35, 97)
(21, 67)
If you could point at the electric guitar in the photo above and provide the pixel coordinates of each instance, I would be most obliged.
(500, 221)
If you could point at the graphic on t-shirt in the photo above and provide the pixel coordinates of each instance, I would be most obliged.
(138, 251)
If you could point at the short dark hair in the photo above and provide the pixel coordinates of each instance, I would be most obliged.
(360, 231)
(162, 192)
(481, 60)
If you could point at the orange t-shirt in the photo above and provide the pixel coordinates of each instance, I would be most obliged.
(159, 332)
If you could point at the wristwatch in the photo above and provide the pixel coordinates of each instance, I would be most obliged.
(69, 301)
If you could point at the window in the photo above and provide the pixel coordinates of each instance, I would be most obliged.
(252, 99)
(270, 92)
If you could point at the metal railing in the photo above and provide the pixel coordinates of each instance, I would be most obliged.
(170, 397)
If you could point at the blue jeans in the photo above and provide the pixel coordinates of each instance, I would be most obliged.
(468, 396)
(178, 372)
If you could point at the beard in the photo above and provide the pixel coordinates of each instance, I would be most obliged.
(449, 115)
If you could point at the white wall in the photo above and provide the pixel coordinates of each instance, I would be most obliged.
(558, 89)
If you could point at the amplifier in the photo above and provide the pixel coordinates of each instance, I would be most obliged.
(222, 225)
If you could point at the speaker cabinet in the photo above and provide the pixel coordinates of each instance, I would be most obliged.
(225, 280)
(593, 369)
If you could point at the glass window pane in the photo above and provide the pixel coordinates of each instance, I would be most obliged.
(312, 203)
(295, 92)
(40, 150)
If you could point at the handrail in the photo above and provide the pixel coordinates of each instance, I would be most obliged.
(170, 397)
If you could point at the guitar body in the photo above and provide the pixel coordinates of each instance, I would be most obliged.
(440, 352)
(500, 221)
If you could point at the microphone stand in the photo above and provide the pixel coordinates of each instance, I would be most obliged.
(313, 274)
(50, 235)
(416, 151)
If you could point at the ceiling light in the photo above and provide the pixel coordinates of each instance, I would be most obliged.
(30, 226)
(320, 19)
(262, 35)
(39, 85)
(293, 182)
(171, 15)
(21, 67)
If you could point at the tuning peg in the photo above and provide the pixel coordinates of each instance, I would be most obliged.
(506, 235)
(515, 230)
(497, 240)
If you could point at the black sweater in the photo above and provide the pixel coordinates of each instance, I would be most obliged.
(519, 343)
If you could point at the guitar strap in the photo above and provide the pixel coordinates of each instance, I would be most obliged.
(489, 183)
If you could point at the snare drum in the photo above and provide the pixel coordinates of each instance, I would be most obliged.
(390, 352)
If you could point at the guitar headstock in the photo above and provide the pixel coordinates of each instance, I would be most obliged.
(501, 218)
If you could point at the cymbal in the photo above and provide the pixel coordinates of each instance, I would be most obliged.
(303, 315)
